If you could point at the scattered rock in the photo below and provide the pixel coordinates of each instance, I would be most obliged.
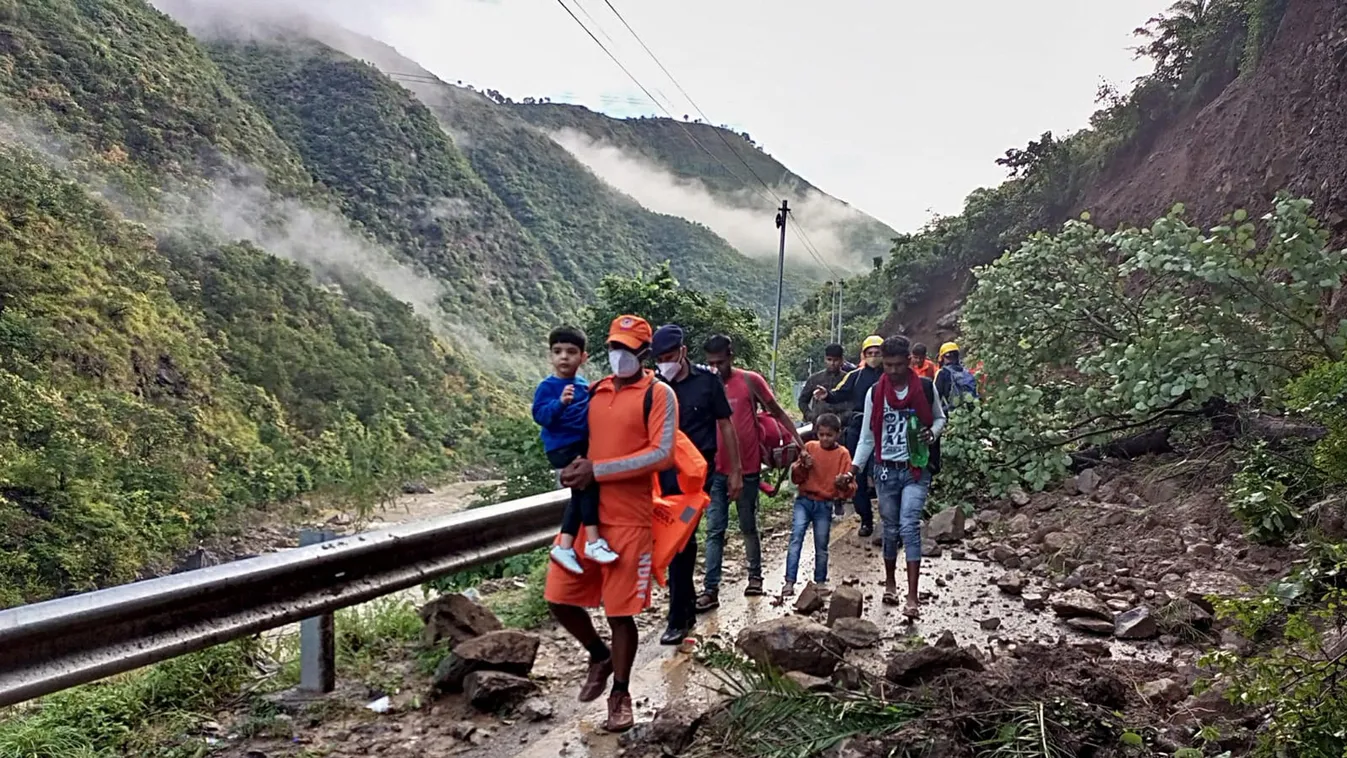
(1019, 497)
(508, 651)
(536, 709)
(810, 600)
(946, 640)
(1034, 602)
(1219, 583)
(1182, 614)
(856, 632)
(948, 525)
(1020, 524)
(1202, 550)
(1136, 624)
(416, 488)
(793, 643)
(1087, 482)
(1080, 604)
(849, 678)
(493, 691)
(1163, 691)
(1058, 541)
(990, 624)
(1011, 583)
(846, 602)
(1093, 648)
(931, 549)
(673, 728)
(809, 682)
(456, 618)
(1006, 557)
(1090, 625)
(926, 662)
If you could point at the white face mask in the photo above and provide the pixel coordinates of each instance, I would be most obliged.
(624, 363)
(670, 370)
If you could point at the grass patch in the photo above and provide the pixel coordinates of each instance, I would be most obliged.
(142, 713)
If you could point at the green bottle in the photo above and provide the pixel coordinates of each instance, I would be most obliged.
(918, 452)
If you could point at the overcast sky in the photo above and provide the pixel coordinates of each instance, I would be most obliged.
(895, 106)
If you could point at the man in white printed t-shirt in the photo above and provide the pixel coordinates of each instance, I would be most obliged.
(907, 427)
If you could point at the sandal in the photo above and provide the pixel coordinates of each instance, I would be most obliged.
(912, 611)
(707, 601)
(891, 597)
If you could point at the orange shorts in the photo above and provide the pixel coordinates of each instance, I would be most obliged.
(621, 587)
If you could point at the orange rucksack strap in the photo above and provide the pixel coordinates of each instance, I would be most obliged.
(675, 516)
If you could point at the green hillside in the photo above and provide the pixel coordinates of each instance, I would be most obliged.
(131, 86)
(396, 173)
(145, 392)
(716, 158)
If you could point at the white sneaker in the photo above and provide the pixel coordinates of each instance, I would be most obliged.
(599, 552)
(566, 558)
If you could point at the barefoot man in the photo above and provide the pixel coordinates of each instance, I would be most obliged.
(626, 447)
(900, 434)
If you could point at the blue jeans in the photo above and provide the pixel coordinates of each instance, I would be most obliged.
(718, 520)
(864, 491)
(901, 501)
(820, 514)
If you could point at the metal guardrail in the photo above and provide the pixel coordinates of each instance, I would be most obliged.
(50, 646)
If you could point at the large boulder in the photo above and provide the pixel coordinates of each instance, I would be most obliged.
(856, 632)
(508, 651)
(494, 691)
(1078, 604)
(847, 602)
(1087, 482)
(1011, 583)
(793, 643)
(926, 662)
(1136, 624)
(456, 618)
(948, 525)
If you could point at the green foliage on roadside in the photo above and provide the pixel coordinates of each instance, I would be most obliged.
(662, 299)
(1300, 624)
(143, 713)
(1089, 334)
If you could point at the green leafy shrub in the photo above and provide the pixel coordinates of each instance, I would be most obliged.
(1298, 670)
(1088, 334)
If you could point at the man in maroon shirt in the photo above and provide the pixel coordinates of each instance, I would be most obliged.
(746, 391)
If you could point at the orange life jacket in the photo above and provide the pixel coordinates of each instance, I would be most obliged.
(676, 516)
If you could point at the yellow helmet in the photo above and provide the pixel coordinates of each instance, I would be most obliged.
(948, 347)
(873, 340)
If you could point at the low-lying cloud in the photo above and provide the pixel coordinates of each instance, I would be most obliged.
(829, 224)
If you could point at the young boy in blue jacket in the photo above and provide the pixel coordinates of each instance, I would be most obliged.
(561, 408)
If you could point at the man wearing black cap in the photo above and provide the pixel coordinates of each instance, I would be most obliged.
(702, 407)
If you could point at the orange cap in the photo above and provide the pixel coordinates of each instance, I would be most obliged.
(631, 331)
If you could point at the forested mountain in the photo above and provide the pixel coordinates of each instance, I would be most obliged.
(241, 269)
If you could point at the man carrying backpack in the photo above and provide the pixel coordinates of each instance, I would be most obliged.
(954, 383)
(746, 391)
(851, 392)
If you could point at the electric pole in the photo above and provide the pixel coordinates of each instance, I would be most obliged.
(780, 283)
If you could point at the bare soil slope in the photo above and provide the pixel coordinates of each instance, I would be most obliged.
(1283, 126)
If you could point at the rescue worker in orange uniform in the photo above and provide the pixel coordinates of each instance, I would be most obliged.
(627, 448)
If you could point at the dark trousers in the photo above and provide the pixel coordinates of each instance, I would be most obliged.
(584, 505)
(864, 492)
(682, 586)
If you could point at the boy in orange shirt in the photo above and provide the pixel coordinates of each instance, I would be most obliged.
(921, 365)
(823, 474)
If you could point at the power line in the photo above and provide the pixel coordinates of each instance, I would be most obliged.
(696, 107)
(809, 245)
(653, 99)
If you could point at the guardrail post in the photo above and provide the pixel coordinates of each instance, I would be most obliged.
(317, 636)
